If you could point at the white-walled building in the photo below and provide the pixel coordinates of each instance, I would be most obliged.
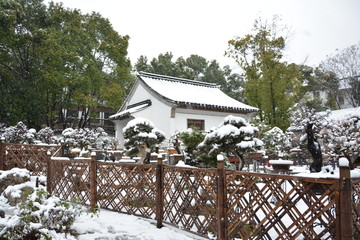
(175, 104)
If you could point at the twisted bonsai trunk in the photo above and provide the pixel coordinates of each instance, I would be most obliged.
(314, 148)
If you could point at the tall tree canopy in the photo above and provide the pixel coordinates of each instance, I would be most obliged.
(194, 67)
(271, 84)
(54, 58)
(323, 85)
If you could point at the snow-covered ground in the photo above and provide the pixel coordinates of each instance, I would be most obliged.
(110, 225)
(117, 226)
(105, 225)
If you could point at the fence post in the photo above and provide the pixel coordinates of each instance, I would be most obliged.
(221, 199)
(62, 146)
(346, 217)
(2, 153)
(93, 185)
(159, 192)
(48, 175)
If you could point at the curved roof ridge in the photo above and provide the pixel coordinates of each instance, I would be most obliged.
(176, 79)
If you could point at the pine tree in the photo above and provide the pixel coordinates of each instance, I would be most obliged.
(141, 137)
(234, 136)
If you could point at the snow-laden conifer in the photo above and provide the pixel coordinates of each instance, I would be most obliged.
(234, 136)
(141, 137)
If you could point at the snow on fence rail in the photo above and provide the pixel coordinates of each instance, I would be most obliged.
(32, 157)
(222, 203)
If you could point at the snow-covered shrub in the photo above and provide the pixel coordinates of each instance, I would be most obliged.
(276, 141)
(39, 216)
(342, 137)
(46, 135)
(234, 136)
(339, 137)
(141, 137)
(84, 138)
(19, 134)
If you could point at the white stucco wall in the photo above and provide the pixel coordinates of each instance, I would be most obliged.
(160, 114)
(211, 118)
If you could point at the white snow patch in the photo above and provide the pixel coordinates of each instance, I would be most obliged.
(343, 162)
(60, 158)
(20, 172)
(111, 225)
(281, 162)
(182, 164)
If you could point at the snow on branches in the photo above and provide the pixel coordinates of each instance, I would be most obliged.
(339, 136)
(234, 136)
(276, 141)
(141, 136)
(21, 134)
(84, 138)
(342, 137)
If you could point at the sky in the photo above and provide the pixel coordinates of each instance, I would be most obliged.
(318, 28)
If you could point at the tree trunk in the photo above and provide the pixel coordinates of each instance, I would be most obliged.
(241, 160)
(144, 154)
(314, 148)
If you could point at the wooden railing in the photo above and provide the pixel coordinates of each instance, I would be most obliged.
(227, 204)
(32, 157)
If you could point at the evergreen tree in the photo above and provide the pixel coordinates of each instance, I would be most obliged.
(141, 137)
(54, 58)
(197, 68)
(234, 136)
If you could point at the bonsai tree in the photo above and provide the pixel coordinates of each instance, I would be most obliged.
(84, 138)
(342, 137)
(18, 134)
(234, 136)
(141, 137)
(275, 141)
(191, 138)
(46, 135)
(311, 123)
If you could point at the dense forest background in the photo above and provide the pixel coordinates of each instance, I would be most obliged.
(54, 58)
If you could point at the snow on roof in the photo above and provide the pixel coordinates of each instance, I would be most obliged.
(189, 92)
(342, 113)
(131, 109)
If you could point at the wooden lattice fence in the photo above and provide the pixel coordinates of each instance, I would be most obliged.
(355, 191)
(227, 204)
(32, 157)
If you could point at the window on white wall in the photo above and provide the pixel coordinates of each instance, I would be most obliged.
(196, 123)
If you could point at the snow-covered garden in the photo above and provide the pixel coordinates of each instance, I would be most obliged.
(41, 216)
(321, 140)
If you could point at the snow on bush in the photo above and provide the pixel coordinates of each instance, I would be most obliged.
(21, 134)
(40, 216)
(141, 136)
(276, 141)
(18, 134)
(46, 135)
(342, 137)
(84, 138)
(234, 136)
